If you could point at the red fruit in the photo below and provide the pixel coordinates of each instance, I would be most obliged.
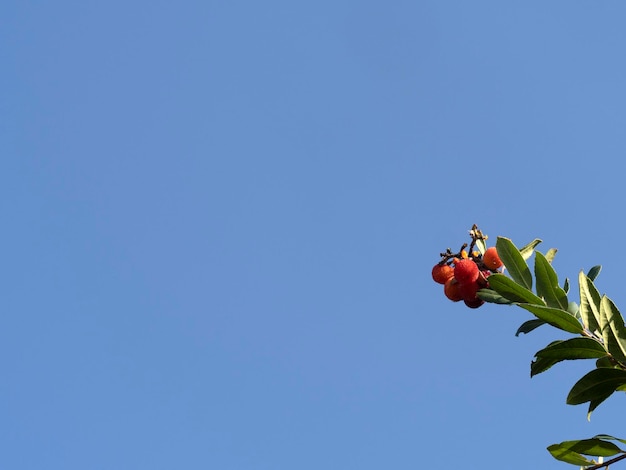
(474, 303)
(491, 258)
(468, 291)
(442, 272)
(451, 290)
(466, 271)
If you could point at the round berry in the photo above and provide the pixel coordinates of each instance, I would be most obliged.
(442, 272)
(468, 291)
(451, 290)
(491, 258)
(466, 271)
(474, 303)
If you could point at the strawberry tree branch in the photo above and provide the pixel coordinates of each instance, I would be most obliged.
(607, 463)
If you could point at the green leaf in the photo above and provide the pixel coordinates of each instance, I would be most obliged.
(564, 454)
(556, 317)
(593, 404)
(589, 303)
(551, 254)
(489, 295)
(606, 361)
(566, 285)
(607, 437)
(610, 313)
(598, 384)
(593, 272)
(574, 348)
(527, 250)
(540, 365)
(512, 291)
(548, 283)
(529, 326)
(514, 262)
(571, 349)
(592, 447)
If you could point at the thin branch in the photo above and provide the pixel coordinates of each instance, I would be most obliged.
(607, 463)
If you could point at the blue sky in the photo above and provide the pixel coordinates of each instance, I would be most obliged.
(220, 220)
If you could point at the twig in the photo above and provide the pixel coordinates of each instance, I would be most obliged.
(607, 463)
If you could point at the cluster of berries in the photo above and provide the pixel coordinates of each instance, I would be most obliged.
(463, 274)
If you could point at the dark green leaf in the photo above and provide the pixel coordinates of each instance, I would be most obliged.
(529, 326)
(598, 384)
(540, 365)
(514, 262)
(489, 295)
(574, 348)
(566, 286)
(571, 349)
(606, 437)
(593, 404)
(605, 361)
(548, 283)
(511, 290)
(527, 250)
(593, 272)
(555, 317)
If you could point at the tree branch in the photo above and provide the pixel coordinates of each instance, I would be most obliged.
(607, 463)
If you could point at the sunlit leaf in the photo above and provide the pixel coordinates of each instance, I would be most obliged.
(548, 283)
(607, 329)
(569, 456)
(593, 447)
(589, 303)
(511, 290)
(609, 310)
(480, 244)
(555, 317)
(527, 250)
(551, 254)
(514, 262)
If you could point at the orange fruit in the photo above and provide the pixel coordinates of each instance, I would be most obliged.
(442, 272)
(491, 258)
(451, 290)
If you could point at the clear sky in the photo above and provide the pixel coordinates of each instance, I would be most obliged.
(219, 221)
